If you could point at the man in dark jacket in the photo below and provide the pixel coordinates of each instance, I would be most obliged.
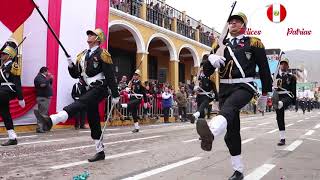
(78, 90)
(43, 85)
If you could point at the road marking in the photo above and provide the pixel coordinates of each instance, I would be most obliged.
(191, 140)
(162, 169)
(293, 145)
(306, 118)
(21, 137)
(272, 131)
(300, 121)
(313, 139)
(317, 126)
(113, 134)
(247, 140)
(85, 162)
(38, 142)
(289, 125)
(310, 132)
(264, 123)
(313, 116)
(115, 142)
(245, 128)
(260, 172)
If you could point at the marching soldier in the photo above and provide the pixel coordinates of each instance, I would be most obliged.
(284, 96)
(10, 87)
(136, 94)
(94, 66)
(205, 94)
(237, 71)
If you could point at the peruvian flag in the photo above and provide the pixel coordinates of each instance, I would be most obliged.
(276, 13)
(12, 14)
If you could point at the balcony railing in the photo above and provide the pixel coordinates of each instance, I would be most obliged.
(132, 7)
(163, 15)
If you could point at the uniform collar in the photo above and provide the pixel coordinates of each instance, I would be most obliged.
(238, 37)
(93, 48)
(8, 62)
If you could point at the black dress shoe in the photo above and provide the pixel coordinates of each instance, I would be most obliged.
(135, 131)
(236, 176)
(192, 119)
(98, 157)
(83, 127)
(282, 142)
(205, 135)
(10, 142)
(46, 119)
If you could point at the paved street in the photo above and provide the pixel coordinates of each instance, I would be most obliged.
(169, 151)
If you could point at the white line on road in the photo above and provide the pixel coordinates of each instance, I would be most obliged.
(260, 172)
(289, 125)
(310, 132)
(300, 121)
(21, 137)
(306, 118)
(115, 142)
(247, 140)
(38, 142)
(245, 128)
(162, 169)
(313, 139)
(317, 126)
(293, 145)
(264, 123)
(313, 116)
(270, 132)
(85, 162)
(191, 140)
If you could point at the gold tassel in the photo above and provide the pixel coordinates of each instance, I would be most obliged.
(15, 69)
(256, 42)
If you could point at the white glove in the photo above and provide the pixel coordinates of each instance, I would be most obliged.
(115, 100)
(262, 102)
(216, 61)
(70, 63)
(195, 88)
(22, 103)
(127, 89)
(145, 105)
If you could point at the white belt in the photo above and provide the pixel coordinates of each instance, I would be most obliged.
(283, 92)
(95, 78)
(7, 84)
(237, 80)
(137, 95)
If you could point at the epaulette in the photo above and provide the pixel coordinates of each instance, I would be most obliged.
(256, 42)
(80, 55)
(106, 57)
(15, 69)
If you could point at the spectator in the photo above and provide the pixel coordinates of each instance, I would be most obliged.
(166, 104)
(43, 86)
(123, 83)
(181, 98)
(78, 90)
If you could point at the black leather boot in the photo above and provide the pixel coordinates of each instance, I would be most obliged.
(282, 142)
(236, 176)
(205, 135)
(97, 157)
(135, 131)
(45, 119)
(10, 142)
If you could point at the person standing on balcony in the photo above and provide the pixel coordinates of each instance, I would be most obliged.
(94, 66)
(137, 93)
(237, 68)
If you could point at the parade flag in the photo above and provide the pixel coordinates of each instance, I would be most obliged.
(13, 13)
(276, 13)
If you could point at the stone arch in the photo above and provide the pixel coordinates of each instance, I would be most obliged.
(168, 42)
(194, 53)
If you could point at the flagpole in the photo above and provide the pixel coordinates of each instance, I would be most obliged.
(50, 28)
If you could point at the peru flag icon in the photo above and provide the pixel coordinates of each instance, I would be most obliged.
(276, 13)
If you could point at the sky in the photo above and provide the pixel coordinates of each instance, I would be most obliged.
(300, 15)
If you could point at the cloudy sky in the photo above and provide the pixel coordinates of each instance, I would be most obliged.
(300, 15)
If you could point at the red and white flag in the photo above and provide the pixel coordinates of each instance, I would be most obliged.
(276, 13)
(12, 14)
